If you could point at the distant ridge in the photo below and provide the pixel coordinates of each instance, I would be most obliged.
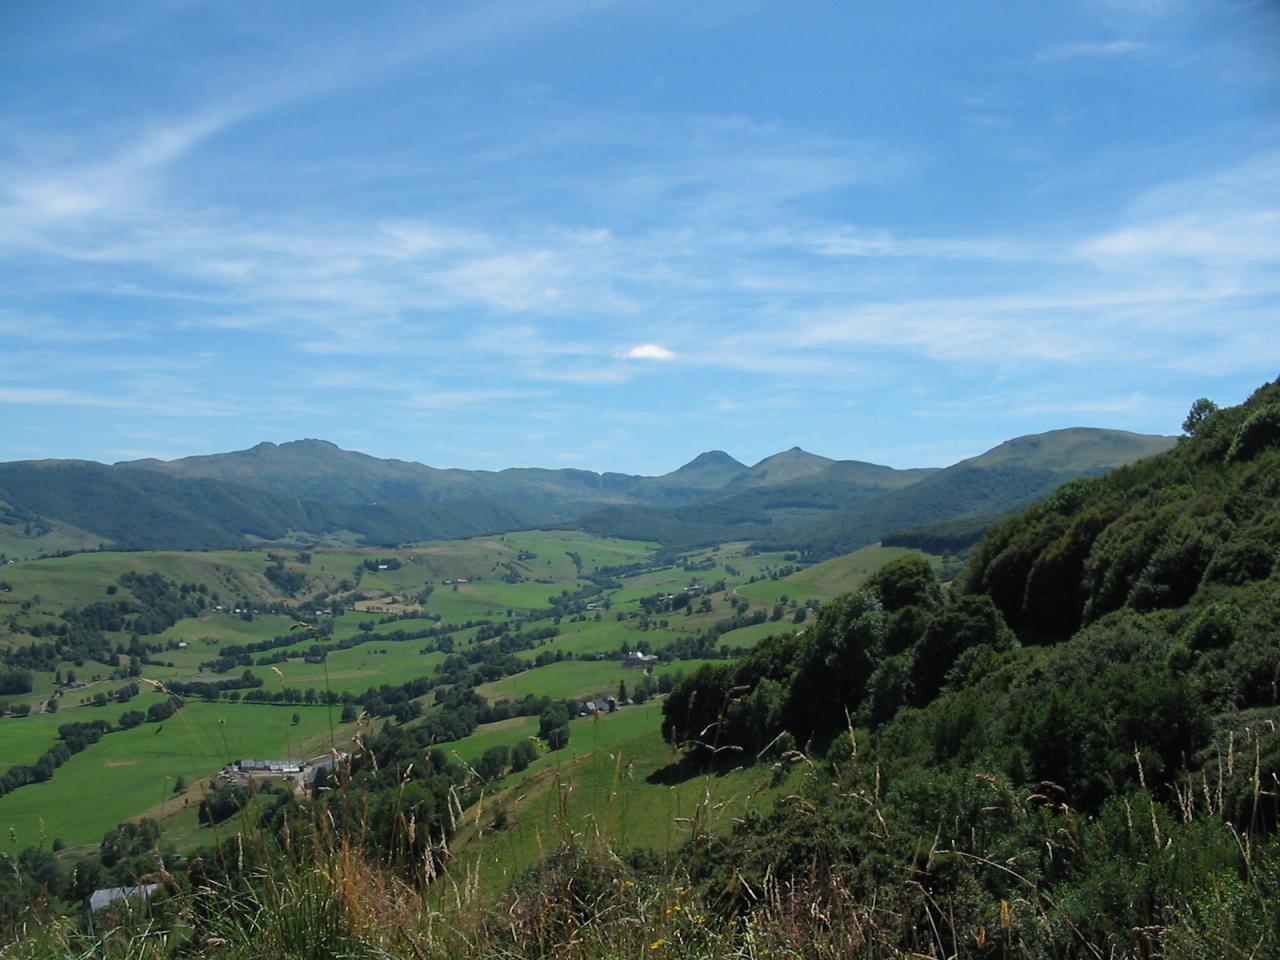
(1007, 477)
(314, 491)
(1075, 449)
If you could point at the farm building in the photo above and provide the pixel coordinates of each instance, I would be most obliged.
(249, 768)
(608, 705)
(100, 899)
(289, 769)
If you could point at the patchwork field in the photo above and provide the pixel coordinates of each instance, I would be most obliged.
(511, 579)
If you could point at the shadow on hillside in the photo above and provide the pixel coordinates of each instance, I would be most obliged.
(688, 768)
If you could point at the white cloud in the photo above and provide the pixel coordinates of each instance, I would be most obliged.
(649, 351)
(1229, 221)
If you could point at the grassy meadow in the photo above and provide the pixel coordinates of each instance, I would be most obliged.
(132, 772)
(825, 580)
(615, 779)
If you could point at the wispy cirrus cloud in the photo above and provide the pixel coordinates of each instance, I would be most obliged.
(1229, 221)
(452, 233)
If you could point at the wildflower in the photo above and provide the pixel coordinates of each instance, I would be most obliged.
(658, 944)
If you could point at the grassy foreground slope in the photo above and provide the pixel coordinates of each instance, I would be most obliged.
(610, 783)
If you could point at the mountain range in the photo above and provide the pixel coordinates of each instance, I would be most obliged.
(312, 491)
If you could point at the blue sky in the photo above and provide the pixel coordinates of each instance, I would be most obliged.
(613, 235)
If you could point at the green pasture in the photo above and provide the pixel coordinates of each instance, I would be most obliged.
(607, 635)
(132, 772)
(748, 564)
(356, 669)
(44, 687)
(826, 580)
(330, 567)
(666, 580)
(600, 785)
(212, 629)
(750, 636)
(503, 733)
(348, 625)
(450, 559)
(15, 545)
(491, 599)
(83, 577)
(405, 581)
(575, 679)
(596, 552)
(79, 705)
(24, 739)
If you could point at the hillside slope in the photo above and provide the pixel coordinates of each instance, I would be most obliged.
(1011, 476)
(1098, 780)
(131, 509)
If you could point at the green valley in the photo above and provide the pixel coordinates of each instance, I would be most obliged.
(467, 719)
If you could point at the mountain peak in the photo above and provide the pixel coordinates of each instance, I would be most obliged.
(712, 458)
(312, 442)
(795, 455)
(784, 466)
(707, 471)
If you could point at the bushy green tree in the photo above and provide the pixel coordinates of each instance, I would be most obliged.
(523, 754)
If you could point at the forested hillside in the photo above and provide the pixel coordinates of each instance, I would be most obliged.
(130, 508)
(1085, 727)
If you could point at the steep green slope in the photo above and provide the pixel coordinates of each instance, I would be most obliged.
(1158, 534)
(132, 509)
(1098, 780)
(142, 508)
